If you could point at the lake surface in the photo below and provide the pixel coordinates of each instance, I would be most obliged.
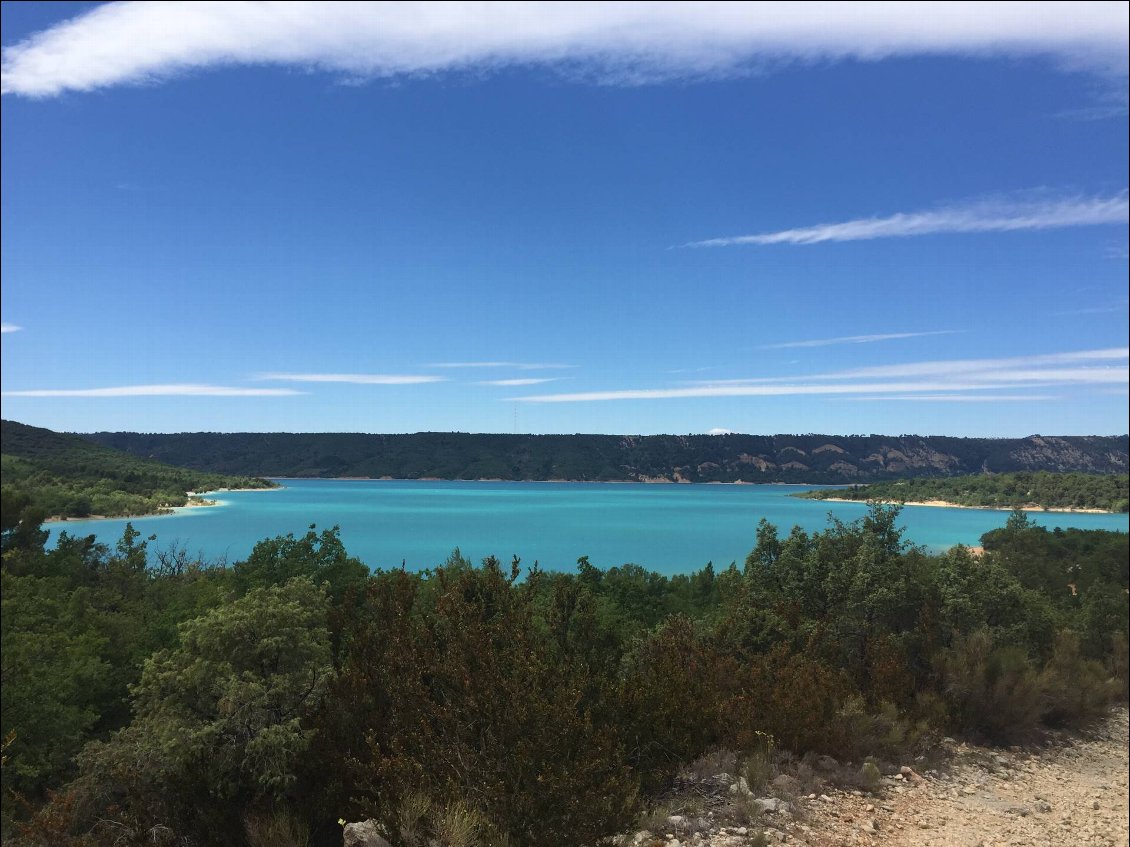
(667, 528)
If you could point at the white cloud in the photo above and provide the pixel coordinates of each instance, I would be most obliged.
(762, 390)
(174, 390)
(6, 328)
(355, 379)
(962, 398)
(941, 379)
(720, 431)
(518, 366)
(517, 382)
(979, 216)
(856, 339)
(617, 42)
(952, 366)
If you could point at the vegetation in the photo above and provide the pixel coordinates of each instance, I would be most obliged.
(492, 704)
(826, 459)
(66, 476)
(1109, 492)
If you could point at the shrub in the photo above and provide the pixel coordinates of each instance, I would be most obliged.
(992, 691)
(1076, 690)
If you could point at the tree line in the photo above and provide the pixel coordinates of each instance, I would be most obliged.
(1109, 492)
(152, 698)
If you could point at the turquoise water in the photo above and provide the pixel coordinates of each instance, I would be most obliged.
(667, 528)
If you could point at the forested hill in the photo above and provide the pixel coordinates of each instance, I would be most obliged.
(61, 474)
(677, 458)
(1109, 492)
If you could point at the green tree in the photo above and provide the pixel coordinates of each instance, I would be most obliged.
(222, 720)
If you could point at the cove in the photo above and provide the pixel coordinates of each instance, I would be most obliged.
(666, 528)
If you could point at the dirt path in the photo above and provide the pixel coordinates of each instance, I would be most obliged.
(1072, 793)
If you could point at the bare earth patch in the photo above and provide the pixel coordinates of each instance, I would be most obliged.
(1072, 792)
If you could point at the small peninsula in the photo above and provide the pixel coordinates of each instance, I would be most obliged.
(1038, 490)
(63, 476)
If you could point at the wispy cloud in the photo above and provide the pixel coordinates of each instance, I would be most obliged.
(625, 43)
(1104, 309)
(518, 366)
(6, 328)
(939, 379)
(175, 390)
(978, 216)
(967, 368)
(961, 398)
(355, 379)
(519, 381)
(720, 431)
(856, 339)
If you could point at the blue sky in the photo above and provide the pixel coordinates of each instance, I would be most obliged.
(625, 219)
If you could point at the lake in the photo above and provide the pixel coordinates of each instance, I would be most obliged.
(666, 528)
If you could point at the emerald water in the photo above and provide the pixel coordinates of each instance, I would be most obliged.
(667, 528)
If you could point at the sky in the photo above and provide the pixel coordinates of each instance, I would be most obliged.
(555, 218)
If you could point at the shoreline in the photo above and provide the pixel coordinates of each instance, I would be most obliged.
(651, 481)
(945, 504)
(168, 511)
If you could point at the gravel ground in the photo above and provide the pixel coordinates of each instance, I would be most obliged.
(1073, 792)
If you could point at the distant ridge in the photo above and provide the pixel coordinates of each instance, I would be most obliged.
(821, 459)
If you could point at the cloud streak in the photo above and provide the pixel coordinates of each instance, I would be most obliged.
(625, 43)
(856, 339)
(6, 328)
(174, 390)
(940, 379)
(975, 217)
(518, 366)
(355, 379)
(518, 382)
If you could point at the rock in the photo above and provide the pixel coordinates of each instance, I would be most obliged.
(644, 836)
(969, 789)
(676, 820)
(1043, 806)
(363, 834)
(826, 798)
(741, 830)
(869, 826)
(768, 804)
(827, 763)
(908, 773)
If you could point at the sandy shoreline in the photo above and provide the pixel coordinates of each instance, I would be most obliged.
(1028, 507)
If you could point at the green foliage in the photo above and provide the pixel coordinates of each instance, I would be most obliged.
(1076, 690)
(318, 557)
(994, 692)
(67, 476)
(830, 459)
(223, 718)
(1039, 489)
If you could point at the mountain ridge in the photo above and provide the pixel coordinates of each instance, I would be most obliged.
(808, 458)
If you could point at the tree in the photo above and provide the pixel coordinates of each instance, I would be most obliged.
(223, 717)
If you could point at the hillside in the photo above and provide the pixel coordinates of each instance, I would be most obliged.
(1108, 492)
(828, 459)
(68, 476)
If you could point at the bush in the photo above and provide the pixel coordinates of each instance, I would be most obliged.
(1076, 690)
(992, 691)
